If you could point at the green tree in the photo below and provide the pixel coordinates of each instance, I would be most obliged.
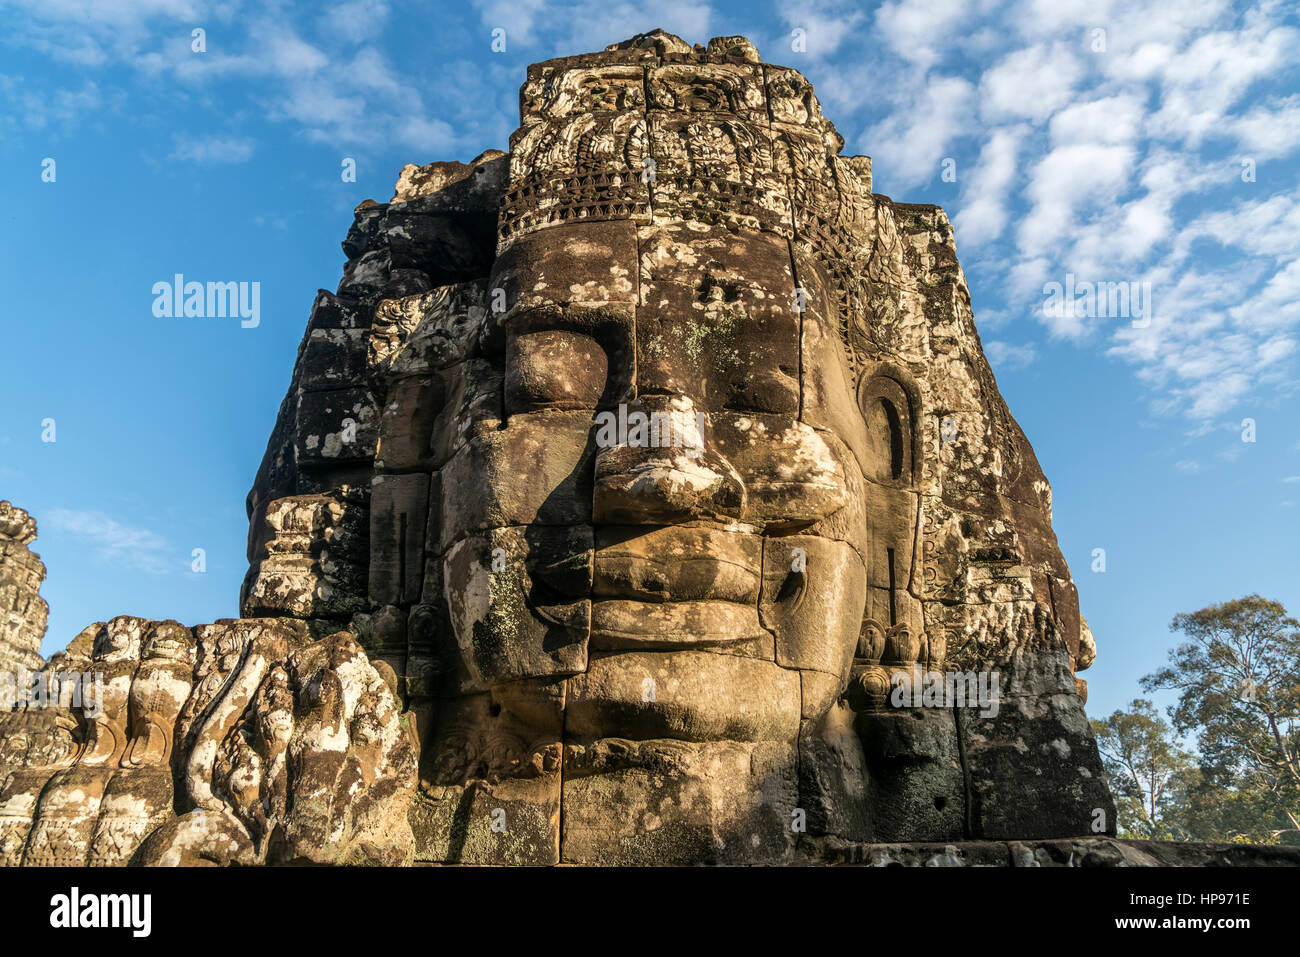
(1148, 772)
(1238, 683)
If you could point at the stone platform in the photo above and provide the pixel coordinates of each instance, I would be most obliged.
(1063, 852)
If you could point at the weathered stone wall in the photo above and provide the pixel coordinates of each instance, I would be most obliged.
(239, 742)
(309, 515)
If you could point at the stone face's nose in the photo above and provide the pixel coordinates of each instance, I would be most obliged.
(657, 464)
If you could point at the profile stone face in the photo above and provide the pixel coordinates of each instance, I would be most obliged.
(718, 633)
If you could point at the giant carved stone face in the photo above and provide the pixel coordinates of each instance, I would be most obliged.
(665, 498)
(659, 550)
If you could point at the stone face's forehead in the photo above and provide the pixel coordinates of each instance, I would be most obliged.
(655, 133)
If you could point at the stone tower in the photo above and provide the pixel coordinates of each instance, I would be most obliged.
(23, 612)
(674, 232)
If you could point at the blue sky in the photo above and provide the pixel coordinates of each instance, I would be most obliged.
(1163, 149)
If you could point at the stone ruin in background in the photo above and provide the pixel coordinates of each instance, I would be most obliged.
(474, 631)
(24, 611)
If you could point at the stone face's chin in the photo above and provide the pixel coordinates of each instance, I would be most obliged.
(685, 695)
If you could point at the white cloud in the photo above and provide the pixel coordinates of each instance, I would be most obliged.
(1141, 36)
(1006, 355)
(1030, 84)
(1110, 120)
(1263, 227)
(212, 150)
(1275, 350)
(1202, 82)
(910, 143)
(370, 70)
(289, 55)
(1195, 353)
(356, 21)
(92, 33)
(1276, 304)
(27, 105)
(919, 30)
(1115, 240)
(1268, 131)
(1079, 177)
(516, 17)
(986, 192)
(332, 90)
(1214, 395)
(113, 541)
(826, 25)
(432, 137)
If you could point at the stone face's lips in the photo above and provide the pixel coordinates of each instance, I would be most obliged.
(620, 624)
(690, 564)
(713, 577)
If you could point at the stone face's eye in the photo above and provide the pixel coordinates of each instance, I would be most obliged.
(555, 369)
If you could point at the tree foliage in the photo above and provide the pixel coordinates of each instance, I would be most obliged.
(1147, 769)
(1237, 677)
